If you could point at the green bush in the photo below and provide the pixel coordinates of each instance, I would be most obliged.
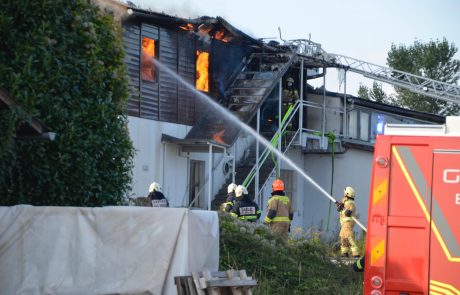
(62, 61)
(299, 266)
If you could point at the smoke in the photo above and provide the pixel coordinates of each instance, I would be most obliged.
(118, 9)
(186, 9)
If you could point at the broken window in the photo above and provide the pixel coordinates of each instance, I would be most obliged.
(148, 69)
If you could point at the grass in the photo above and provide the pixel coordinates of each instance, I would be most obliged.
(299, 266)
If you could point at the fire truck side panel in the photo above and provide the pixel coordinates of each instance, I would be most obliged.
(407, 231)
(413, 238)
(445, 221)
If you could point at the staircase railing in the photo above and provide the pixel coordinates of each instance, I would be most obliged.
(287, 118)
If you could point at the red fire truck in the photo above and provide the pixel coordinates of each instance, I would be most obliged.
(413, 237)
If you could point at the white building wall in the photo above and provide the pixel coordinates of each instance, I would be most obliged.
(167, 165)
(152, 163)
(353, 168)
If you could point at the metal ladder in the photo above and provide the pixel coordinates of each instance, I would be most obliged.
(417, 84)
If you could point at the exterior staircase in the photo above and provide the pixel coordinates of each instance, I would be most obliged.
(248, 91)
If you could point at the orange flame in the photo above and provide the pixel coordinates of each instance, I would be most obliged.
(220, 35)
(187, 27)
(202, 70)
(217, 137)
(148, 54)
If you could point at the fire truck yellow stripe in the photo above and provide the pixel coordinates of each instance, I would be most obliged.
(377, 252)
(445, 287)
(422, 205)
(440, 290)
(380, 191)
(435, 293)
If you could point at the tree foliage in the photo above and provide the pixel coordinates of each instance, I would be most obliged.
(375, 93)
(62, 61)
(434, 60)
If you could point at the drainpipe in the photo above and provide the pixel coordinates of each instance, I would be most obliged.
(301, 103)
(210, 177)
(234, 162)
(345, 129)
(323, 127)
(257, 156)
(280, 97)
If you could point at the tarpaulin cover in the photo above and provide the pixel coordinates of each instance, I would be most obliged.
(109, 250)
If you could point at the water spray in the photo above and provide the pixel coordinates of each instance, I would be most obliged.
(248, 129)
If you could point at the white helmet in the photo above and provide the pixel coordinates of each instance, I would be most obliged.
(349, 192)
(231, 188)
(155, 187)
(240, 191)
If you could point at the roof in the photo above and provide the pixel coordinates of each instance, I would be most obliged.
(194, 145)
(385, 107)
(216, 27)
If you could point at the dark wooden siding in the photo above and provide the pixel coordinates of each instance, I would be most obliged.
(149, 89)
(166, 99)
(131, 42)
(186, 69)
(168, 84)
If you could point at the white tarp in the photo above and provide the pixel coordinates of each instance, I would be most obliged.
(109, 250)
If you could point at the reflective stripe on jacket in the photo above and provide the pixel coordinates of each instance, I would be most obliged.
(282, 206)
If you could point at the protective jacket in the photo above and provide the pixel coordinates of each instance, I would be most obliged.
(158, 199)
(347, 235)
(229, 202)
(279, 214)
(358, 266)
(246, 209)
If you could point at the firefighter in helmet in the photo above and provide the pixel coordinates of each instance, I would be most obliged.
(244, 208)
(289, 97)
(347, 210)
(229, 202)
(279, 210)
(156, 196)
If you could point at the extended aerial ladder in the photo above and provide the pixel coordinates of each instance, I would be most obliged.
(417, 84)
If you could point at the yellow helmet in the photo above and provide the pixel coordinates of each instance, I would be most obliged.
(349, 192)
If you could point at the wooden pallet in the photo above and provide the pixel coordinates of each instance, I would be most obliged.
(228, 282)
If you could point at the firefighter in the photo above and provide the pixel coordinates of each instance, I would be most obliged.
(156, 196)
(358, 266)
(229, 202)
(347, 210)
(279, 210)
(244, 208)
(289, 97)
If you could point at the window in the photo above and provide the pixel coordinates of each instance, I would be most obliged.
(148, 70)
(364, 126)
(202, 70)
(353, 124)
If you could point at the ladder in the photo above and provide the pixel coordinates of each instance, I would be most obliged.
(417, 84)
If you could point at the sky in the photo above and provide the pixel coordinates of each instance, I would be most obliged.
(362, 29)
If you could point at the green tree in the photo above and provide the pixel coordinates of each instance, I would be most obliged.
(375, 93)
(63, 62)
(434, 60)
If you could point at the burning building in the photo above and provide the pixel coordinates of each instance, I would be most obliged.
(194, 151)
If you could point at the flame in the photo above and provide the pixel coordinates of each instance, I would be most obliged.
(220, 35)
(148, 54)
(218, 137)
(148, 46)
(187, 27)
(202, 70)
